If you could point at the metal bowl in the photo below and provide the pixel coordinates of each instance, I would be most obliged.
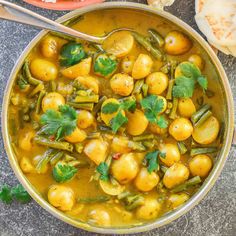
(169, 217)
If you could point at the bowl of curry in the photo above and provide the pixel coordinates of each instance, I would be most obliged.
(122, 137)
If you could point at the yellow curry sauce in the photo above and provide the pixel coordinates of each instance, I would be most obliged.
(142, 143)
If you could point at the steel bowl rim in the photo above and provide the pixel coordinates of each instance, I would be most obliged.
(165, 219)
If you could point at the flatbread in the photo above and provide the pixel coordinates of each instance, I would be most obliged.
(199, 5)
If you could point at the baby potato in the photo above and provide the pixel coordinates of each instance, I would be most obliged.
(146, 181)
(197, 61)
(26, 166)
(125, 168)
(149, 210)
(176, 200)
(207, 132)
(89, 82)
(120, 145)
(156, 129)
(164, 104)
(200, 165)
(99, 217)
(181, 129)
(137, 123)
(172, 154)
(26, 141)
(81, 69)
(49, 47)
(61, 197)
(175, 175)
(43, 70)
(119, 44)
(52, 101)
(77, 136)
(186, 107)
(96, 150)
(142, 66)
(127, 64)
(64, 89)
(177, 43)
(122, 84)
(85, 119)
(157, 83)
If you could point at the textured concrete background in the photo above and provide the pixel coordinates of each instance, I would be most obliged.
(214, 216)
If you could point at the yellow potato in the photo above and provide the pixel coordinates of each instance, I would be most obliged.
(197, 61)
(76, 136)
(137, 122)
(157, 83)
(120, 145)
(200, 165)
(85, 119)
(164, 104)
(119, 44)
(207, 132)
(64, 89)
(52, 101)
(89, 82)
(172, 154)
(81, 69)
(43, 70)
(122, 84)
(99, 217)
(142, 66)
(175, 175)
(26, 166)
(186, 107)
(96, 150)
(181, 129)
(176, 200)
(156, 129)
(110, 188)
(146, 181)
(127, 64)
(177, 43)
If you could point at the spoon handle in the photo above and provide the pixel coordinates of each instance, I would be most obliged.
(13, 12)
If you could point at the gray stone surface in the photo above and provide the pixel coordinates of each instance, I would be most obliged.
(214, 216)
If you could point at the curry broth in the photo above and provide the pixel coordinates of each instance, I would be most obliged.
(97, 23)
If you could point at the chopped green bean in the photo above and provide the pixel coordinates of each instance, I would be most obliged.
(37, 89)
(143, 137)
(145, 90)
(98, 106)
(53, 86)
(157, 38)
(93, 135)
(149, 144)
(68, 158)
(136, 146)
(174, 109)
(85, 106)
(189, 183)
(86, 99)
(138, 87)
(45, 159)
(123, 195)
(203, 118)
(163, 168)
(79, 164)
(182, 147)
(39, 101)
(57, 157)
(170, 88)
(28, 75)
(79, 147)
(133, 202)
(97, 199)
(198, 114)
(204, 150)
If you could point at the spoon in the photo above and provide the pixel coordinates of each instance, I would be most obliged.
(13, 12)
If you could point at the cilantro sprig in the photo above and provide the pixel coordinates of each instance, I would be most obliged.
(185, 84)
(8, 194)
(152, 159)
(103, 170)
(105, 65)
(152, 106)
(59, 123)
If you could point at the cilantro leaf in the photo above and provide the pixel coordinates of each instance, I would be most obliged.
(152, 161)
(5, 194)
(118, 121)
(103, 170)
(184, 87)
(63, 172)
(20, 194)
(202, 81)
(152, 106)
(190, 70)
(129, 105)
(110, 108)
(105, 65)
(59, 123)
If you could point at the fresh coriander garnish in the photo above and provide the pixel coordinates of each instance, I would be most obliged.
(152, 159)
(59, 123)
(105, 65)
(103, 170)
(152, 106)
(185, 84)
(118, 121)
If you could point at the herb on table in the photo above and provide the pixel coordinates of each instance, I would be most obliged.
(152, 159)
(103, 170)
(105, 65)
(8, 194)
(152, 106)
(63, 172)
(185, 84)
(59, 123)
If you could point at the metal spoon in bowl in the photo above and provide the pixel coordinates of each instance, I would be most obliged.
(13, 12)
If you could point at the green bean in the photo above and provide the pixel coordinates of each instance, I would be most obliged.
(143, 137)
(79, 164)
(163, 168)
(99, 104)
(198, 114)
(173, 65)
(203, 118)
(28, 75)
(174, 109)
(79, 147)
(54, 144)
(68, 158)
(85, 106)
(189, 183)
(105, 128)
(37, 89)
(123, 195)
(221, 132)
(63, 36)
(206, 150)
(136, 146)
(170, 88)
(149, 144)
(145, 90)
(138, 87)
(157, 38)
(182, 147)
(86, 99)
(73, 20)
(148, 46)
(108, 161)
(98, 199)
(93, 135)
(53, 86)
(57, 157)
(22, 83)
(45, 159)
(133, 202)
(39, 101)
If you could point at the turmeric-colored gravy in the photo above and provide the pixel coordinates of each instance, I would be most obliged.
(120, 133)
